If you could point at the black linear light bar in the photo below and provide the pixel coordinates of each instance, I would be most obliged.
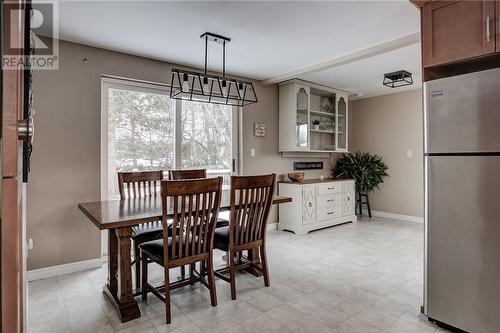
(203, 87)
(398, 79)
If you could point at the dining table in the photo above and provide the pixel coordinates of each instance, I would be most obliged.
(118, 217)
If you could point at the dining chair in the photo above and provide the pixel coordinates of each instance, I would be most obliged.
(191, 207)
(251, 199)
(134, 185)
(187, 174)
(195, 174)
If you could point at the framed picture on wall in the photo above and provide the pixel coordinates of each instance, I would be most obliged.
(259, 129)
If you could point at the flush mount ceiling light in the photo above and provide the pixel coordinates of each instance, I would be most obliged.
(357, 95)
(203, 87)
(397, 79)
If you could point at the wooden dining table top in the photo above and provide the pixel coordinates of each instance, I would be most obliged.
(118, 213)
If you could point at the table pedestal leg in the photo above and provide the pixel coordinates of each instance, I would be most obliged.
(119, 286)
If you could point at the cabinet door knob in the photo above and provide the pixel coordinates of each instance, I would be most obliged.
(310, 204)
(329, 213)
(26, 129)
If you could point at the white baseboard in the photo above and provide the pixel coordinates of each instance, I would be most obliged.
(272, 226)
(47, 272)
(393, 216)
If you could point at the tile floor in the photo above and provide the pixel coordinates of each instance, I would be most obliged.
(363, 277)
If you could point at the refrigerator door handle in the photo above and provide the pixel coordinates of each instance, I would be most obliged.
(426, 231)
(488, 33)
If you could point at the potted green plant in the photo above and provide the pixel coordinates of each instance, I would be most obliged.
(367, 170)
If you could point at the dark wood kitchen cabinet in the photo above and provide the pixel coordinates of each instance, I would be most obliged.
(497, 24)
(454, 31)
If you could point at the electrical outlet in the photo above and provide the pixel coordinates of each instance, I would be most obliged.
(252, 152)
(409, 153)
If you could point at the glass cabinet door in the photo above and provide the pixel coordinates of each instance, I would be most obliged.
(341, 124)
(302, 119)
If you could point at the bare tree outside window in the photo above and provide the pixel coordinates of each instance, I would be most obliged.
(140, 133)
(206, 133)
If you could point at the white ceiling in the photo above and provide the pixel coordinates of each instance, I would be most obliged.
(366, 76)
(269, 39)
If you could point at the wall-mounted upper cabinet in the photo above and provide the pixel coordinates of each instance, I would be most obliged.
(312, 118)
(497, 24)
(457, 30)
(458, 35)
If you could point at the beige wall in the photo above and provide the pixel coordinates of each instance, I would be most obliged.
(388, 126)
(66, 157)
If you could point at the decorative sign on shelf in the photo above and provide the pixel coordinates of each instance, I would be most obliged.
(307, 165)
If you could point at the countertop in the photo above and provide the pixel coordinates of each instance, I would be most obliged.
(313, 181)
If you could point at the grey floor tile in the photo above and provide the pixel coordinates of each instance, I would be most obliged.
(285, 313)
(363, 277)
(375, 318)
(263, 323)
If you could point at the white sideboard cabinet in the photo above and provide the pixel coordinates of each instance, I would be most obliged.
(316, 204)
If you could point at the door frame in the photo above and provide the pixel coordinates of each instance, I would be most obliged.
(12, 238)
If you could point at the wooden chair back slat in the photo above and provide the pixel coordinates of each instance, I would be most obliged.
(251, 199)
(187, 174)
(139, 184)
(195, 206)
(195, 227)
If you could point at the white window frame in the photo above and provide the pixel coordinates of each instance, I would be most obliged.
(163, 89)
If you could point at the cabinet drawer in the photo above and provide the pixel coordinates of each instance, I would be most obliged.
(329, 213)
(329, 201)
(332, 188)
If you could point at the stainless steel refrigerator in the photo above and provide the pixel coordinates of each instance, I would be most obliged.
(462, 201)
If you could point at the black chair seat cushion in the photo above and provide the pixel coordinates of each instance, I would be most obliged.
(221, 223)
(153, 230)
(154, 248)
(147, 231)
(221, 238)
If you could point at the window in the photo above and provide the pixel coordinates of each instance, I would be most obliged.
(206, 137)
(143, 129)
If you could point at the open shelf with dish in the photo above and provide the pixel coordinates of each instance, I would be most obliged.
(323, 114)
(313, 118)
(323, 131)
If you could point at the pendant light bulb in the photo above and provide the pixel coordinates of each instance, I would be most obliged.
(205, 84)
(240, 88)
(185, 82)
(224, 88)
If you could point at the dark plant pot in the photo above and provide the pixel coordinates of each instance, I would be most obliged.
(360, 195)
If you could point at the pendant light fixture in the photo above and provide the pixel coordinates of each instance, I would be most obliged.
(397, 79)
(204, 87)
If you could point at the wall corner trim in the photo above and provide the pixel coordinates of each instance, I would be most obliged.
(73, 267)
(272, 226)
(393, 216)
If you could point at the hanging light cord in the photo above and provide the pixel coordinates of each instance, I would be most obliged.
(206, 53)
(224, 59)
